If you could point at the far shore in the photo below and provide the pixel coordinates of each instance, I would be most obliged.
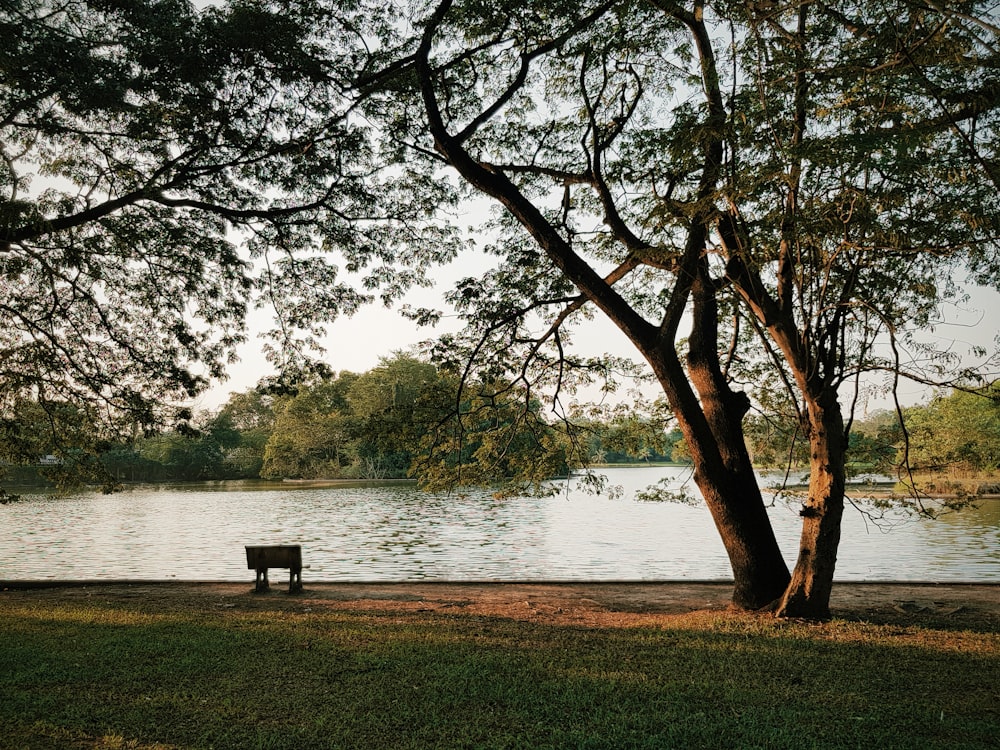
(861, 491)
(342, 482)
(880, 490)
(856, 490)
(771, 481)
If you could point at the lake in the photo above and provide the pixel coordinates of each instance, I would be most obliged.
(393, 532)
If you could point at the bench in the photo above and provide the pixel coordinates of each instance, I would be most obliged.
(277, 556)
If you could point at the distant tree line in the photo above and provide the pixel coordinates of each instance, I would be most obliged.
(955, 431)
(403, 418)
(406, 418)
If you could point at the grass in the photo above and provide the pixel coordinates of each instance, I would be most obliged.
(132, 675)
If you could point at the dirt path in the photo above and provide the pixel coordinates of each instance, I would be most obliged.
(952, 606)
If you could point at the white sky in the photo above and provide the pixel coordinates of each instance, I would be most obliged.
(357, 343)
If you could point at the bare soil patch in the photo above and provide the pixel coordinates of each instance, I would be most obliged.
(600, 604)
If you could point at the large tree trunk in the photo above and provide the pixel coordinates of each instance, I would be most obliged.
(712, 428)
(732, 494)
(759, 571)
(808, 593)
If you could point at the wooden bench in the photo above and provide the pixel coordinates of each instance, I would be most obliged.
(277, 556)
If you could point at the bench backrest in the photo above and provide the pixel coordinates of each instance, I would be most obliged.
(277, 556)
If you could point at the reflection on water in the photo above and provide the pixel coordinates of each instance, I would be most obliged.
(394, 532)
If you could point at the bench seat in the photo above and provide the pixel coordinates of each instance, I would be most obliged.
(276, 556)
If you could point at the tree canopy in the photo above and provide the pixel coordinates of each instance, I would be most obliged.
(164, 168)
(960, 429)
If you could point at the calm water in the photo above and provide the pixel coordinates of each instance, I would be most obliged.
(197, 532)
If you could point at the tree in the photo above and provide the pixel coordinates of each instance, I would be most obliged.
(494, 136)
(312, 432)
(491, 433)
(620, 433)
(960, 430)
(881, 124)
(57, 440)
(182, 456)
(392, 407)
(162, 168)
(786, 166)
(405, 418)
(250, 415)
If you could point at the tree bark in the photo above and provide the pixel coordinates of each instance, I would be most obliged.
(712, 428)
(808, 593)
(729, 488)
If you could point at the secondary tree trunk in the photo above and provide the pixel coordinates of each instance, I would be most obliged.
(808, 593)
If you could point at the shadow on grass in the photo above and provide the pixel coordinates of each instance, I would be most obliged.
(75, 675)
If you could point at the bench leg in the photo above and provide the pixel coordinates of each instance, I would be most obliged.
(294, 581)
(262, 583)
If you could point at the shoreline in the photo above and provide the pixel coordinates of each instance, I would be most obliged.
(38, 583)
(857, 490)
(884, 490)
(955, 606)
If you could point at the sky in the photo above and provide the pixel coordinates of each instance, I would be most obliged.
(358, 343)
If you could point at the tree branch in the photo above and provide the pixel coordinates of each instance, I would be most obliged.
(497, 185)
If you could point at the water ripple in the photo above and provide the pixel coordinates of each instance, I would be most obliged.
(197, 532)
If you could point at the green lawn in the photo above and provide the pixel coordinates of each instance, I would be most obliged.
(124, 675)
